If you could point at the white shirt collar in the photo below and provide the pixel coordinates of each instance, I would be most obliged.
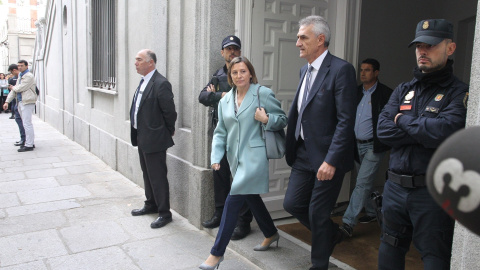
(318, 62)
(149, 75)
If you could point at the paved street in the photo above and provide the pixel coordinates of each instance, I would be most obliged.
(61, 207)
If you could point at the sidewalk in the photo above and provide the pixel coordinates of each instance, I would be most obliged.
(61, 207)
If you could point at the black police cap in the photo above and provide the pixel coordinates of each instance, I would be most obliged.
(433, 31)
(231, 40)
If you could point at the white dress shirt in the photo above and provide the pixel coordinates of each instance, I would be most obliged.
(146, 79)
(316, 66)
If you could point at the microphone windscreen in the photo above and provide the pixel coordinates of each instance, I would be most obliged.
(453, 177)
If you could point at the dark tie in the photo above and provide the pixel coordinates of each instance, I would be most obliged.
(134, 106)
(306, 90)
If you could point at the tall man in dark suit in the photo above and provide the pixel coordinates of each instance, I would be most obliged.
(320, 138)
(371, 98)
(153, 117)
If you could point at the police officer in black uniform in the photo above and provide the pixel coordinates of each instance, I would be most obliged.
(210, 96)
(419, 116)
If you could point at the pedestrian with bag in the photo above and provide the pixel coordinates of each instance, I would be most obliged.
(239, 135)
(3, 89)
(216, 89)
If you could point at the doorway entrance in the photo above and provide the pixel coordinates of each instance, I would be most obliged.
(360, 29)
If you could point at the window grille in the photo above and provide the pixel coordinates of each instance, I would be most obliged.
(103, 44)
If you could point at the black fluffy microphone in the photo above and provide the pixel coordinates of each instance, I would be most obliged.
(453, 177)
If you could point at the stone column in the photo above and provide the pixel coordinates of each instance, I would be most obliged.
(216, 20)
(195, 32)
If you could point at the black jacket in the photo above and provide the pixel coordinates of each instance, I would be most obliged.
(211, 99)
(380, 97)
(13, 80)
(156, 117)
(431, 113)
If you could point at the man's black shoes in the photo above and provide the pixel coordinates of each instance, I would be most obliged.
(367, 219)
(144, 211)
(241, 231)
(160, 222)
(338, 235)
(213, 222)
(19, 143)
(346, 229)
(26, 148)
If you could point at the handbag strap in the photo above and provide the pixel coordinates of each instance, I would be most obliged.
(258, 95)
(261, 126)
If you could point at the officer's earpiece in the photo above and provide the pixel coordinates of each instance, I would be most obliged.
(453, 177)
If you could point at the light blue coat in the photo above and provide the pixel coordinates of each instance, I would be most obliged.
(240, 136)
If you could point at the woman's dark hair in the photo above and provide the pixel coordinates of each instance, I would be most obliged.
(241, 59)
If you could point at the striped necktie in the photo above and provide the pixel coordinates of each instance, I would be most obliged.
(306, 90)
(134, 108)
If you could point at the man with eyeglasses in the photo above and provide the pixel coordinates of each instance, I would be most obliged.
(210, 96)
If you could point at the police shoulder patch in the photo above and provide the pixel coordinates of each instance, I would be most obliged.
(465, 100)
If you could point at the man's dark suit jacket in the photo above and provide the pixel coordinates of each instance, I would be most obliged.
(329, 116)
(379, 98)
(156, 116)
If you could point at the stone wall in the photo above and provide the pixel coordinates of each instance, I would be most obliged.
(186, 36)
(466, 245)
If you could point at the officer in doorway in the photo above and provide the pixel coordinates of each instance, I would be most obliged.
(419, 116)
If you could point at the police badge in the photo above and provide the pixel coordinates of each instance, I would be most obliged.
(439, 97)
(409, 96)
(425, 25)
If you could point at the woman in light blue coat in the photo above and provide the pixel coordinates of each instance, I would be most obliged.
(239, 134)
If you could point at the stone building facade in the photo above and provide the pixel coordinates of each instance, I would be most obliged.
(85, 71)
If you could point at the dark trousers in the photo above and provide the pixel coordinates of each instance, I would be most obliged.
(221, 187)
(429, 226)
(2, 100)
(19, 122)
(154, 167)
(311, 202)
(11, 105)
(233, 204)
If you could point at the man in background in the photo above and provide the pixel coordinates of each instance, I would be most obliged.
(152, 118)
(371, 98)
(13, 69)
(25, 92)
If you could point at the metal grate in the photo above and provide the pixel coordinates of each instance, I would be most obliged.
(103, 44)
